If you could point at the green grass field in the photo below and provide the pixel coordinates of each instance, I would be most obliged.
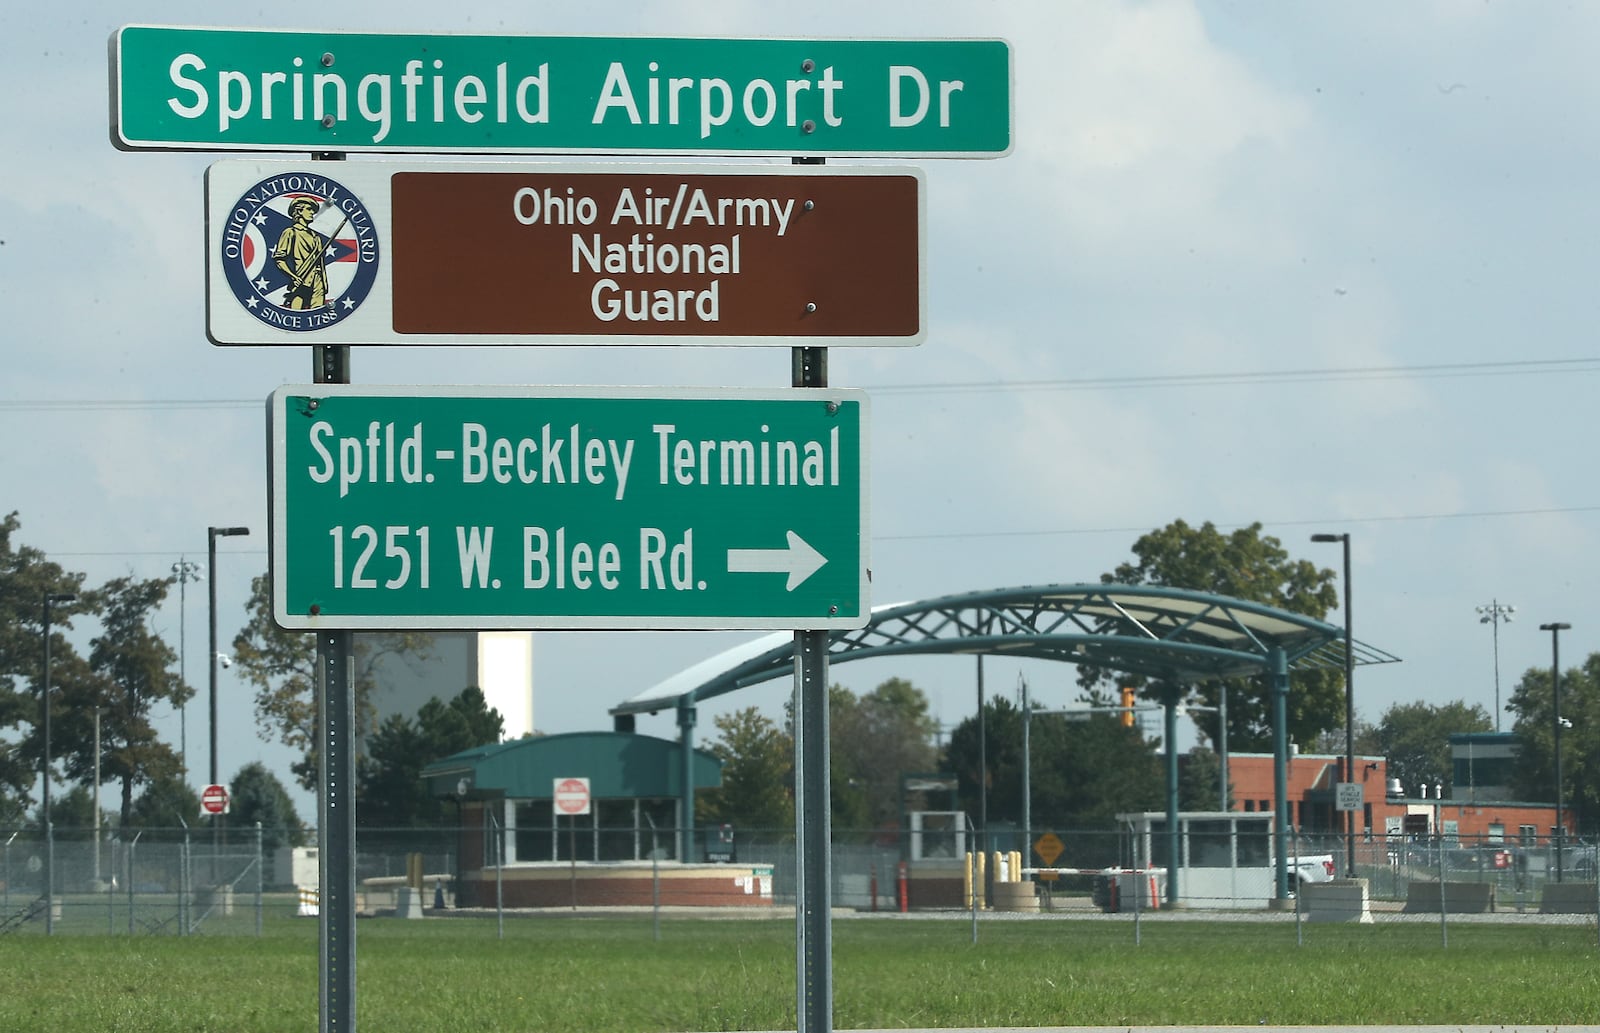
(559, 973)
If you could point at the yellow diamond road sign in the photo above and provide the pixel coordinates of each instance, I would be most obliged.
(1048, 847)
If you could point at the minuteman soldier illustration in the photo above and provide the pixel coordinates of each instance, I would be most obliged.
(302, 255)
(287, 274)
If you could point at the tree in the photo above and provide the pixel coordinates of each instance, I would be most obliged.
(26, 577)
(1255, 567)
(1200, 781)
(1415, 737)
(390, 792)
(1083, 772)
(877, 738)
(164, 809)
(133, 672)
(72, 813)
(873, 740)
(757, 790)
(282, 665)
(258, 796)
(1533, 776)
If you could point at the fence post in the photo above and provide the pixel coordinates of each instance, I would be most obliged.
(131, 847)
(185, 905)
(655, 878)
(498, 839)
(49, 865)
(260, 877)
(1299, 928)
(975, 877)
(1444, 926)
(1138, 868)
(111, 893)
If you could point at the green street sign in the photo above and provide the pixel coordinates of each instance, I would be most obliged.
(185, 88)
(627, 508)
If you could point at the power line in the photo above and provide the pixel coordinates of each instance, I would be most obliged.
(1397, 518)
(1432, 371)
(1042, 533)
(1235, 379)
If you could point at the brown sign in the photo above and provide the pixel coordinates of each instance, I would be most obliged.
(736, 256)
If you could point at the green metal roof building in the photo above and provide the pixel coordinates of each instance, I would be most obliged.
(635, 788)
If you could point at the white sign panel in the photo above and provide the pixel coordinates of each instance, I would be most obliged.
(571, 796)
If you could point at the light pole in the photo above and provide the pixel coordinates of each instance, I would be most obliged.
(1496, 614)
(212, 534)
(1555, 629)
(185, 571)
(50, 599)
(1349, 702)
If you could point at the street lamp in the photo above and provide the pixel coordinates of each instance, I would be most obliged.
(1555, 629)
(1496, 614)
(185, 571)
(50, 599)
(212, 534)
(1349, 702)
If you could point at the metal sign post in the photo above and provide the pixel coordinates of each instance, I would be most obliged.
(336, 856)
(813, 795)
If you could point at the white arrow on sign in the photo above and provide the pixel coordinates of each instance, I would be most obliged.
(797, 559)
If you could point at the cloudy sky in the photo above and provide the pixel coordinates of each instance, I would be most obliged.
(1328, 267)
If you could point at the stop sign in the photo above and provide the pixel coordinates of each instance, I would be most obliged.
(572, 795)
(214, 800)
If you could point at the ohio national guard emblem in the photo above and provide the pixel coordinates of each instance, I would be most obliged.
(300, 251)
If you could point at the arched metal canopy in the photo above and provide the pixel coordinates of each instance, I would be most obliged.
(1169, 633)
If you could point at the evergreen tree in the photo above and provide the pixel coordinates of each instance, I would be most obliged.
(164, 809)
(390, 792)
(258, 796)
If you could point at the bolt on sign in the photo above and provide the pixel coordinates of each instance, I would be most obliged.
(189, 88)
(618, 507)
(449, 254)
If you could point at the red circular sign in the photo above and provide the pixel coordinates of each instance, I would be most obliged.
(214, 800)
(572, 796)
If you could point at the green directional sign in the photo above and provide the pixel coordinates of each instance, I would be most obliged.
(178, 88)
(623, 508)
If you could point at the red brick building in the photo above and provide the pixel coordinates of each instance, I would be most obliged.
(1472, 813)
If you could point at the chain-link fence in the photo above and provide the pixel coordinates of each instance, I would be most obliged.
(147, 882)
(231, 881)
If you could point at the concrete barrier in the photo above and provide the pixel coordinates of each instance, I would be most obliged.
(1568, 898)
(408, 903)
(1015, 896)
(1342, 900)
(1463, 898)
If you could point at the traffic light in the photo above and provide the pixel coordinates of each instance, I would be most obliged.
(1127, 706)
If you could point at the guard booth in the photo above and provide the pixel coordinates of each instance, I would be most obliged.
(516, 848)
(1225, 858)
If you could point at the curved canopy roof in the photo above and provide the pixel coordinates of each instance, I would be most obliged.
(1168, 633)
